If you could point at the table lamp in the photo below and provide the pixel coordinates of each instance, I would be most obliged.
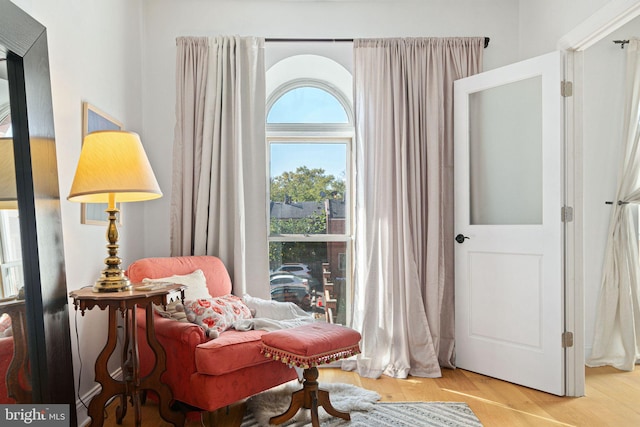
(113, 168)
(8, 193)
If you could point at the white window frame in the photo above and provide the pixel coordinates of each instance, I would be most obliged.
(311, 127)
(322, 133)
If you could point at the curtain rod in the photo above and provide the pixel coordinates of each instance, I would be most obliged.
(486, 40)
(621, 43)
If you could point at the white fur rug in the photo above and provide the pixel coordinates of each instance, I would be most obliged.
(344, 397)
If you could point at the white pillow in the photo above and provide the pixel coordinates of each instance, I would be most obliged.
(271, 309)
(195, 282)
(196, 288)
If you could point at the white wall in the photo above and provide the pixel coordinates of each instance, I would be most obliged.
(543, 22)
(95, 56)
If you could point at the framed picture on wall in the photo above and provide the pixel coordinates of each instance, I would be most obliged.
(93, 120)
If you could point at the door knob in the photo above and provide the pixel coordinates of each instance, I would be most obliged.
(460, 238)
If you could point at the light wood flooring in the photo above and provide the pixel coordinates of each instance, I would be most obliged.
(613, 399)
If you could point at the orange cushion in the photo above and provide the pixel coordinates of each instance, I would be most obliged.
(231, 351)
(311, 345)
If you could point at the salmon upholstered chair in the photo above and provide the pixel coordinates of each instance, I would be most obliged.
(206, 374)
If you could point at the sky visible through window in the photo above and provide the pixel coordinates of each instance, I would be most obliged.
(308, 105)
(287, 157)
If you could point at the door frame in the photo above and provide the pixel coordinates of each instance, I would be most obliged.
(603, 22)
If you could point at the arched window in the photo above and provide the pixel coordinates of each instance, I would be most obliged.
(309, 136)
(307, 104)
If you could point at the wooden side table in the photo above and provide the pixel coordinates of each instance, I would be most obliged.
(131, 385)
(19, 373)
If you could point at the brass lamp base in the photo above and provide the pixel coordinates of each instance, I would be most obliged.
(112, 284)
(112, 278)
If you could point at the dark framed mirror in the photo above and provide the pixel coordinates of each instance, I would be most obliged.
(48, 376)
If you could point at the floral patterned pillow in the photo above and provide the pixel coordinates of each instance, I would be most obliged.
(216, 315)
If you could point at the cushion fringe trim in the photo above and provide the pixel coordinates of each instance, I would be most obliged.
(306, 362)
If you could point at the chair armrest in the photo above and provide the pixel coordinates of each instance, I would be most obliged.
(184, 332)
(179, 340)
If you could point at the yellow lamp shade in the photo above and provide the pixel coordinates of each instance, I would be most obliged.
(113, 163)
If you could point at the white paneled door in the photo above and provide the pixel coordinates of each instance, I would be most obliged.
(508, 223)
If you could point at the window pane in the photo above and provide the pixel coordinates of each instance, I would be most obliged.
(308, 186)
(298, 271)
(307, 105)
(505, 141)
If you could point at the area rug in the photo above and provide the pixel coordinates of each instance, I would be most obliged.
(365, 412)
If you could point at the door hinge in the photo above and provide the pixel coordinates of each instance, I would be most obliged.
(567, 339)
(566, 214)
(566, 88)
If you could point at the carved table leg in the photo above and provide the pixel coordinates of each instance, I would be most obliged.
(110, 387)
(127, 370)
(130, 369)
(153, 380)
(135, 364)
(121, 410)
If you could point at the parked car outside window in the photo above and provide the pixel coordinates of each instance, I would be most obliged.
(295, 268)
(296, 294)
(288, 279)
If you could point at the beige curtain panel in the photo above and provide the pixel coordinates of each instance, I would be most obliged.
(192, 61)
(404, 244)
(219, 173)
